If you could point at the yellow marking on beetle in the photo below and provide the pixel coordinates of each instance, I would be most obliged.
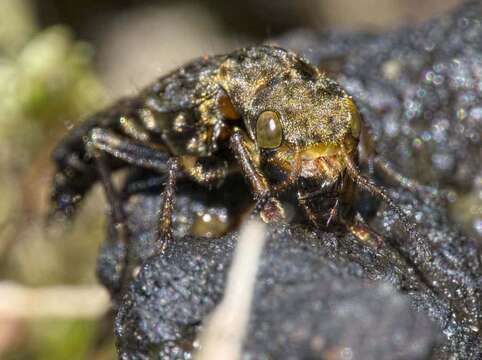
(316, 151)
(355, 121)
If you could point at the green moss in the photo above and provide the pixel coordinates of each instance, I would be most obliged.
(17, 25)
(49, 82)
(57, 339)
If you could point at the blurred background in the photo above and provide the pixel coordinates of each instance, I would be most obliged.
(63, 59)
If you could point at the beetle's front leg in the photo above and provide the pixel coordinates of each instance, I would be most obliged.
(269, 208)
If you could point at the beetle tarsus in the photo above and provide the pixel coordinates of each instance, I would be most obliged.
(363, 232)
(270, 210)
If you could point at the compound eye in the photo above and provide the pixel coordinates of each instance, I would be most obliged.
(268, 130)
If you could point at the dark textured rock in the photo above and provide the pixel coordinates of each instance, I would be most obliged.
(336, 317)
(172, 294)
(306, 304)
(326, 294)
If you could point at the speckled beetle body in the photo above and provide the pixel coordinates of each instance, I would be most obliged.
(262, 112)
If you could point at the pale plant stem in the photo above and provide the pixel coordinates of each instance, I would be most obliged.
(225, 329)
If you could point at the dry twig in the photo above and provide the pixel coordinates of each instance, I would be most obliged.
(21, 302)
(226, 327)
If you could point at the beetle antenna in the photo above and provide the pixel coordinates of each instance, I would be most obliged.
(382, 194)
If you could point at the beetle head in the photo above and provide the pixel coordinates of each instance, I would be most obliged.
(311, 117)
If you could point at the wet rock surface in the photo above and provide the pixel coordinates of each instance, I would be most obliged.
(326, 294)
(317, 293)
(305, 303)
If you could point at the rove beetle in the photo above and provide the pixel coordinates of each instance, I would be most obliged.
(262, 112)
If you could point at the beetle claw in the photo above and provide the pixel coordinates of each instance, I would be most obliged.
(271, 210)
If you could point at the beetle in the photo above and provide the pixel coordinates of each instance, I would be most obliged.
(262, 112)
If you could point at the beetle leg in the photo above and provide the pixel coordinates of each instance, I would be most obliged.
(375, 161)
(120, 230)
(360, 229)
(410, 184)
(269, 207)
(408, 223)
(110, 191)
(333, 213)
(204, 171)
(165, 218)
(311, 215)
(302, 200)
(100, 142)
(128, 150)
